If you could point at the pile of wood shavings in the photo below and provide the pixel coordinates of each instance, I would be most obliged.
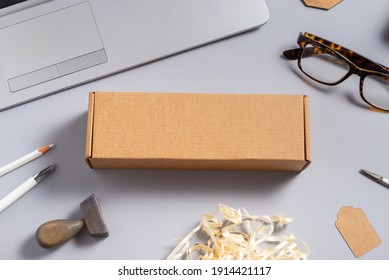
(240, 236)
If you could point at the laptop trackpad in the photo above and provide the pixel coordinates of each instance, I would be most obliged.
(50, 46)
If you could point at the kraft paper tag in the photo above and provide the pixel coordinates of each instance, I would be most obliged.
(356, 230)
(322, 4)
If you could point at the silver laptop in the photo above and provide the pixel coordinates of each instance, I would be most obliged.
(47, 46)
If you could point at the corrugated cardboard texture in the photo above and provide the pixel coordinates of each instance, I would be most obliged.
(198, 131)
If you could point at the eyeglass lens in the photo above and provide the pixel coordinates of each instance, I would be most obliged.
(376, 91)
(322, 66)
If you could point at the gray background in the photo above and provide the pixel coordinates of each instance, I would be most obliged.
(146, 210)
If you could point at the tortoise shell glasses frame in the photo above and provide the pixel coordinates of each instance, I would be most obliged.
(312, 45)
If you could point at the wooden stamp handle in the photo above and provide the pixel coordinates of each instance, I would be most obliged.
(56, 232)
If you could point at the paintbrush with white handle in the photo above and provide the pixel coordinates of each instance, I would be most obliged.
(24, 188)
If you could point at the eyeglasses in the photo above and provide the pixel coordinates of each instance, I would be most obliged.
(330, 64)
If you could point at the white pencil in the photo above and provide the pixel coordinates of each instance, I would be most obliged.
(24, 159)
(24, 187)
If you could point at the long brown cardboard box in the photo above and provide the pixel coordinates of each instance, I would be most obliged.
(198, 131)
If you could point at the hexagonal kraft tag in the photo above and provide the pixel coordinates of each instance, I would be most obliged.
(322, 4)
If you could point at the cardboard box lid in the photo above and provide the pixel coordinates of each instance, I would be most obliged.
(197, 126)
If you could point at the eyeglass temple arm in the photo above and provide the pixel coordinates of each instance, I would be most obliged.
(292, 54)
(383, 66)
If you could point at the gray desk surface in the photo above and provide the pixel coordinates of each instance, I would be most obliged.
(146, 210)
